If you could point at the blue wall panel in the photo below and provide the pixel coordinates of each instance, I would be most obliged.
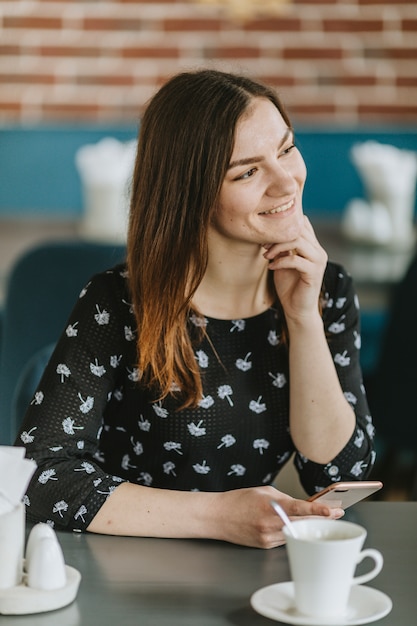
(38, 174)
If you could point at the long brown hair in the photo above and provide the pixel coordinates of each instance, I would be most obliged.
(184, 149)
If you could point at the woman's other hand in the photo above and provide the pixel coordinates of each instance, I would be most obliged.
(246, 517)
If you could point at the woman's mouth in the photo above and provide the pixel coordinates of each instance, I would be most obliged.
(279, 209)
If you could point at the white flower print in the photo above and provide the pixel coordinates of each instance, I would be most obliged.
(244, 364)
(71, 331)
(38, 398)
(202, 358)
(27, 437)
(257, 406)
(56, 448)
(340, 303)
(80, 445)
(169, 468)
(117, 394)
(332, 470)
(96, 369)
(144, 425)
(225, 391)
(358, 468)
(261, 445)
(281, 458)
(102, 317)
(97, 482)
(115, 360)
(137, 446)
(198, 321)
(173, 445)
(87, 404)
(63, 371)
(129, 334)
(238, 325)
(47, 475)
(360, 437)
(342, 359)
(201, 468)
(226, 441)
(273, 338)
(145, 478)
(129, 304)
(68, 426)
(350, 397)
(86, 467)
(126, 464)
(159, 409)
(337, 327)
(107, 493)
(357, 340)
(196, 429)
(84, 290)
(370, 428)
(59, 507)
(237, 470)
(206, 402)
(278, 380)
(133, 374)
(81, 512)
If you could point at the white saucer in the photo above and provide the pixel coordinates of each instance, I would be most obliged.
(277, 602)
(21, 600)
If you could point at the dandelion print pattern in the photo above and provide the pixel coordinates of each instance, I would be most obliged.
(90, 424)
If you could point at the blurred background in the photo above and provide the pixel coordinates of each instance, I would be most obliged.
(75, 72)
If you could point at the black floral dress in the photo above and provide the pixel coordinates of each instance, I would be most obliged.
(91, 425)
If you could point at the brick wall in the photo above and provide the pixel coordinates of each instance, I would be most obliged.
(334, 62)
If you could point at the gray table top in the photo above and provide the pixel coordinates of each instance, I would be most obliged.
(173, 582)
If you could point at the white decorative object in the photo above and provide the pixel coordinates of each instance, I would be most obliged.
(105, 169)
(389, 176)
(42, 581)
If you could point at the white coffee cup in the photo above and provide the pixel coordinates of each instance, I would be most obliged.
(12, 541)
(323, 560)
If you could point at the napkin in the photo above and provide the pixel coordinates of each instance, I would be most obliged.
(105, 169)
(389, 176)
(15, 474)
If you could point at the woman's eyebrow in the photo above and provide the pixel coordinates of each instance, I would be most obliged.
(256, 159)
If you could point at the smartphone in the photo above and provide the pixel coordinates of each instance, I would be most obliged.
(345, 494)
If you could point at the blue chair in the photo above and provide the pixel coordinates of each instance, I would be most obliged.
(42, 289)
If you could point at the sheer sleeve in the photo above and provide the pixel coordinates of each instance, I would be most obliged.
(342, 326)
(62, 425)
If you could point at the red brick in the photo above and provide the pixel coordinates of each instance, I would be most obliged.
(138, 52)
(312, 53)
(32, 79)
(106, 80)
(113, 24)
(406, 81)
(274, 24)
(32, 21)
(352, 25)
(191, 25)
(233, 52)
(73, 51)
(409, 25)
(391, 53)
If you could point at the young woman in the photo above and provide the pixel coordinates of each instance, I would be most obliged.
(186, 379)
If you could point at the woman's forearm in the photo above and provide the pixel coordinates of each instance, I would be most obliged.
(241, 516)
(321, 420)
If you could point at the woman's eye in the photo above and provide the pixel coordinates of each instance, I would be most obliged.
(247, 174)
(288, 150)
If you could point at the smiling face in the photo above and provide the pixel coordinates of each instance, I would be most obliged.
(261, 196)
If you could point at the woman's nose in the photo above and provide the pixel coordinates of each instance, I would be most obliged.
(282, 179)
